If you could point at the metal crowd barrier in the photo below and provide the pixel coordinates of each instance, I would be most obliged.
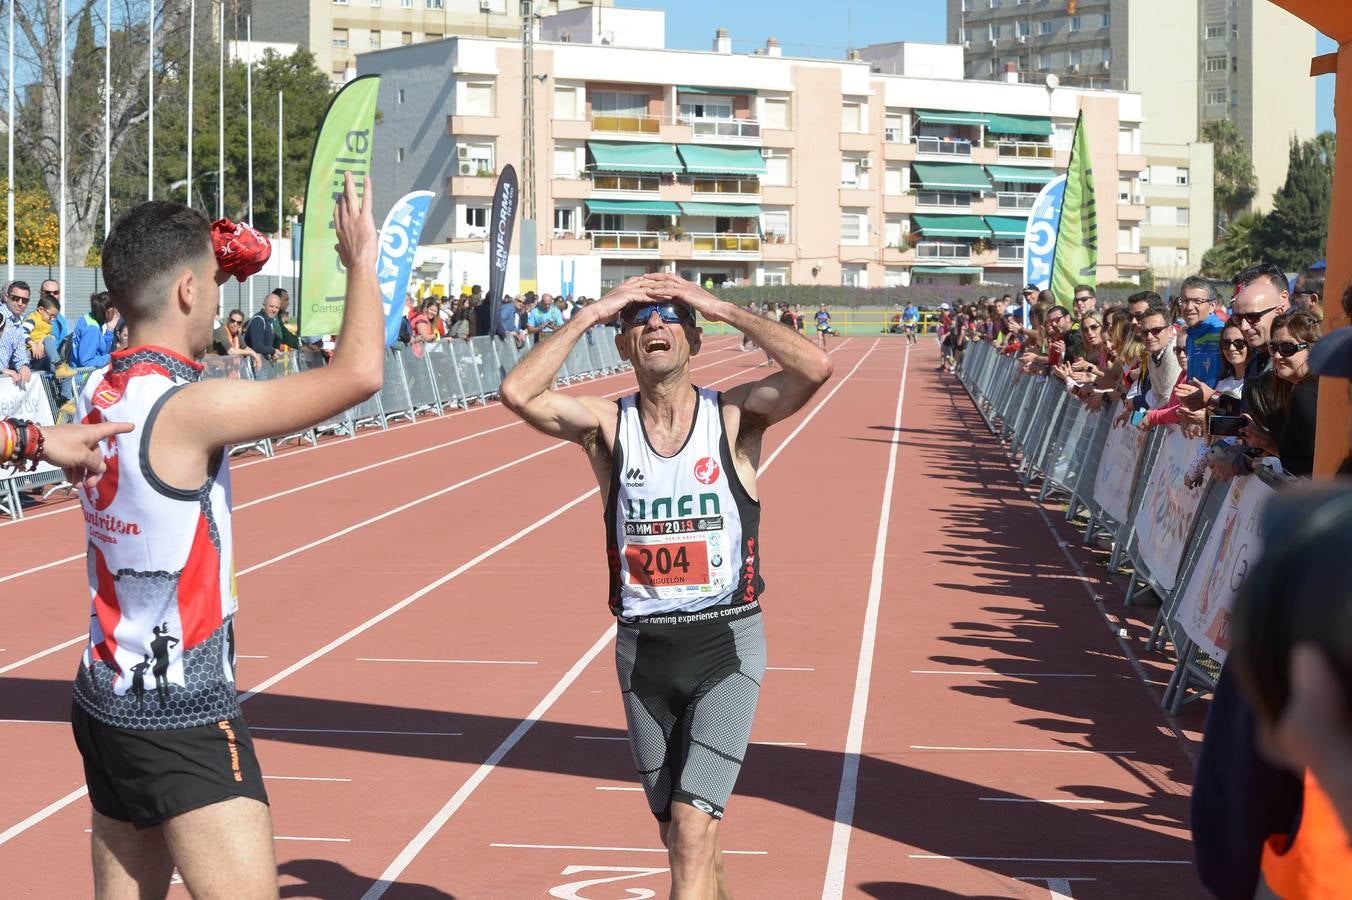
(1052, 437)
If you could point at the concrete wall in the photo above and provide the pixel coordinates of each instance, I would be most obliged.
(1160, 53)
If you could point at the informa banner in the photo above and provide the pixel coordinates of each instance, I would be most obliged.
(1117, 468)
(29, 403)
(1233, 545)
(1076, 259)
(342, 145)
(398, 245)
(500, 221)
(1039, 237)
(1168, 508)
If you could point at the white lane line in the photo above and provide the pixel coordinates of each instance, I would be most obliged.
(1031, 800)
(1027, 750)
(833, 888)
(443, 815)
(248, 656)
(597, 737)
(303, 778)
(511, 740)
(34, 722)
(615, 849)
(609, 787)
(990, 673)
(324, 840)
(41, 653)
(466, 662)
(355, 731)
(1044, 859)
(789, 669)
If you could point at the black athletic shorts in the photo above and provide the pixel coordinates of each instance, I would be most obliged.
(690, 685)
(146, 777)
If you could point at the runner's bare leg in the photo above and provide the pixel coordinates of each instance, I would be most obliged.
(691, 839)
(225, 850)
(129, 864)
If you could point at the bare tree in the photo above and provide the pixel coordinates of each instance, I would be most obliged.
(42, 30)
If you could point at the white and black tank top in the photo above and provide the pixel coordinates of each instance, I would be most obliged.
(682, 533)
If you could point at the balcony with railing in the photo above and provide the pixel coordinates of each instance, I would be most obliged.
(933, 250)
(605, 183)
(629, 243)
(710, 128)
(1030, 151)
(944, 200)
(712, 188)
(1009, 253)
(948, 148)
(1014, 201)
(724, 244)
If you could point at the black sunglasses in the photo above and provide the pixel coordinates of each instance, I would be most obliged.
(670, 313)
(1156, 331)
(1092, 326)
(1252, 318)
(236, 321)
(1286, 349)
(1239, 344)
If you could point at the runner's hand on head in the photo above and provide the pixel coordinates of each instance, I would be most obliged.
(626, 292)
(354, 226)
(75, 448)
(664, 286)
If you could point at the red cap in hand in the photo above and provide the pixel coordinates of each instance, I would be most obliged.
(241, 250)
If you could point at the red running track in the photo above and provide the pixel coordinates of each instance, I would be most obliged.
(430, 677)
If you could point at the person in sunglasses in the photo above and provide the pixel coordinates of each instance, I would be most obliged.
(1260, 296)
(677, 466)
(228, 340)
(1286, 429)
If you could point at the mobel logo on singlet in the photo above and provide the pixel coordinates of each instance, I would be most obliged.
(637, 509)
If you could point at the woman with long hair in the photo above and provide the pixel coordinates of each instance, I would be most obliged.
(424, 330)
(1291, 400)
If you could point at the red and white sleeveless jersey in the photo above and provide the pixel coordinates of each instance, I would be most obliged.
(161, 576)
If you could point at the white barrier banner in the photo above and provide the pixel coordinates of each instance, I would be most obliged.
(1165, 518)
(28, 402)
(1233, 545)
(1117, 468)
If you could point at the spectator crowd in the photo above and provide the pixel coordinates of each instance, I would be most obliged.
(1238, 367)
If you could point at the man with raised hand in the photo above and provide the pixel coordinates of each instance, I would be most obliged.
(677, 466)
(172, 774)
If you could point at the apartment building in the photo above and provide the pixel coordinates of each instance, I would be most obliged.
(888, 169)
(337, 30)
(1192, 62)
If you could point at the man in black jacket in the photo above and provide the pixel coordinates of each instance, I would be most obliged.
(261, 335)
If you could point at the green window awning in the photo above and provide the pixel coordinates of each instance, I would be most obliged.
(951, 226)
(946, 270)
(700, 160)
(1007, 227)
(634, 207)
(952, 176)
(643, 158)
(729, 210)
(1026, 125)
(1021, 174)
(717, 91)
(945, 117)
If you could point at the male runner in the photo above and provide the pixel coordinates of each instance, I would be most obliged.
(172, 775)
(677, 465)
(910, 317)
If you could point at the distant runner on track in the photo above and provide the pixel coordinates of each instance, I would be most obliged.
(677, 466)
(170, 767)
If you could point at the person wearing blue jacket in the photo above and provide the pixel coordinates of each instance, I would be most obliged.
(95, 334)
(1203, 325)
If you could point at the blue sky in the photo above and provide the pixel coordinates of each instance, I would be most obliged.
(803, 30)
